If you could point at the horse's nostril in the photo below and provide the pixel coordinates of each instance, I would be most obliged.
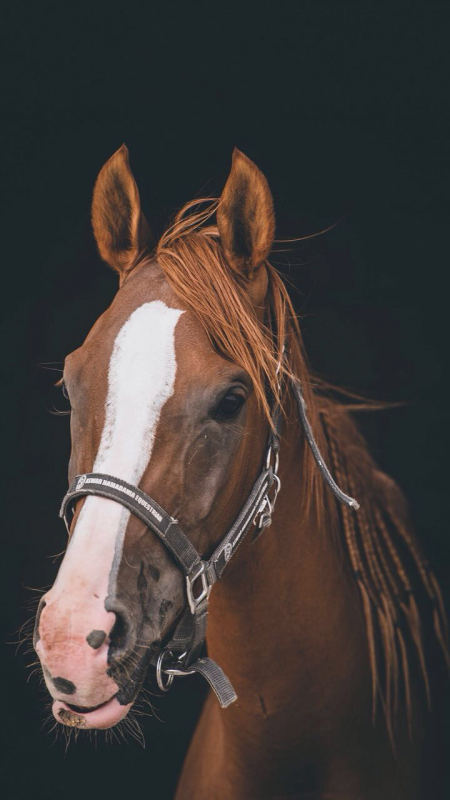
(120, 634)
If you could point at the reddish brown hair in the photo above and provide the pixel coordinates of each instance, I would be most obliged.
(384, 557)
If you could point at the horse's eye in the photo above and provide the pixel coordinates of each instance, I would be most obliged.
(64, 391)
(229, 406)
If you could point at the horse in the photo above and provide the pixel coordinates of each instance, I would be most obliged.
(191, 390)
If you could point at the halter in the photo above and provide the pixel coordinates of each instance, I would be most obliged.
(181, 656)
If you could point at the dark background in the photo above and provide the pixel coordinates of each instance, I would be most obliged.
(344, 107)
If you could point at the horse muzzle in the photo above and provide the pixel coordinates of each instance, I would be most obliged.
(83, 656)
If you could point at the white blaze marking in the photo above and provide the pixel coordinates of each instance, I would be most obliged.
(141, 379)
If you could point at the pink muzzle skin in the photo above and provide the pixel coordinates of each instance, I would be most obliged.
(73, 650)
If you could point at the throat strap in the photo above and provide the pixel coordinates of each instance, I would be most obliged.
(325, 472)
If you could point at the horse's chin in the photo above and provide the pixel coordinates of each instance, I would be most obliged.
(101, 717)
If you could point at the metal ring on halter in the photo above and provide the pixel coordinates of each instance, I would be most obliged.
(177, 673)
(159, 672)
(276, 465)
(269, 459)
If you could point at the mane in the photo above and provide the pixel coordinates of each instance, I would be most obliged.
(383, 556)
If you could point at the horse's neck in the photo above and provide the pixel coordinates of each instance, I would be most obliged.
(284, 622)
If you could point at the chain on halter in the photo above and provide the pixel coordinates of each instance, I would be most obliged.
(181, 656)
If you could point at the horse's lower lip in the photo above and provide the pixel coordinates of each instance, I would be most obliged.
(102, 716)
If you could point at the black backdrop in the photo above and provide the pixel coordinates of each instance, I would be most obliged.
(343, 106)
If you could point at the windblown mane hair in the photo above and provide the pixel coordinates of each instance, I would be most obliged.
(384, 557)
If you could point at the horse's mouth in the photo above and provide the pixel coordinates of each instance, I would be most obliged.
(110, 712)
(86, 709)
(102, 716)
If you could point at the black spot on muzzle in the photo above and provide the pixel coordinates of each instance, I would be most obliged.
(64, 686)
(96, 639)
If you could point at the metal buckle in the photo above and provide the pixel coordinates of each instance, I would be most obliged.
(194, 602)
(263, 517)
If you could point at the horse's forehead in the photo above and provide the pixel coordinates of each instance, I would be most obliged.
(147, 288)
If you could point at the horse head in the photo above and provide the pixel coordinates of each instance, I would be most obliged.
(160, 403)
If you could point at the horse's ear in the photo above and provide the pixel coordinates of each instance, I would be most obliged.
(246, 223)
(120, 228)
